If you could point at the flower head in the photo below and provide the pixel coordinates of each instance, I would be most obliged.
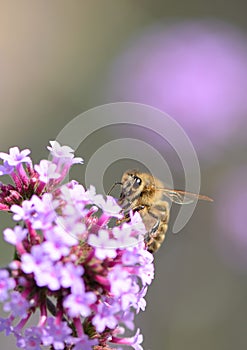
(74, 258)
(15, 156)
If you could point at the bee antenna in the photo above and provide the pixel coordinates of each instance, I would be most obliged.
(114, 185)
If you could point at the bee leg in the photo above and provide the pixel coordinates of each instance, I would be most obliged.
(151, 233)
(120, 221)
(140, 207)
(126, 217)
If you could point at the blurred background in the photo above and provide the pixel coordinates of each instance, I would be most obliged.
(60, 58)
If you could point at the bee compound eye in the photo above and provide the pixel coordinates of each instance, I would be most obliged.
(137, 182)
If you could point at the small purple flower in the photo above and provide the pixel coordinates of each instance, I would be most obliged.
(16, 156)
(63, 152)
(40, 211)
(6, 325)
(31, 262)
(6, 169)
(127, 317)
(120, 280)
(124, 236)
(130, 257)
(90, 194)
(31, 340)
(105, 317)
(14, 236)
(70, 276)
(109, 206)
(55, 334)
(146, 273)
(137, 340)
(58, 151)
(49, 276)
(130, 297)
(136, 223)
(43, 211)
(45, 272)
(79, 304)
(18, 305)
(74, 209)
(77, 160)
(84, 343)
(7, 283)
(58, 242)
(134, 341)
(73, 192)
(23, 212)
(105, 247)
(55, 250)
(140, 303)
(71, 228)
(46, 171)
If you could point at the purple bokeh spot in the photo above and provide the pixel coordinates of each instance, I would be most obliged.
(195, 71)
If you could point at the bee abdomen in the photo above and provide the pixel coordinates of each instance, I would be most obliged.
(157, 239)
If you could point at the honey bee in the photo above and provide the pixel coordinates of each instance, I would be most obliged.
(145, 194)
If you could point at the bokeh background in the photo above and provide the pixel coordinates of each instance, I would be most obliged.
(60, 58)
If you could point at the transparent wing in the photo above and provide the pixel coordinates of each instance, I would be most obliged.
(182, 197)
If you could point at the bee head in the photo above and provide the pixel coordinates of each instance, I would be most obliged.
(135, 185)
(132, 184)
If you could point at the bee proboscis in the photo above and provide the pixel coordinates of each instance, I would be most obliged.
(145, 193)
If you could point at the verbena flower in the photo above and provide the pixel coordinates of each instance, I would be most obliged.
(84, 271)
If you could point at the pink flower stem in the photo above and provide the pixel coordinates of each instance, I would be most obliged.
(23, 175)
(17, 182)
(20, 248)
(43, 314)
(59, 314)
(26, 292)
(103, 280)
(103, 220)
(22, 322)
(40, 188)
(34, 237)
(78, 326)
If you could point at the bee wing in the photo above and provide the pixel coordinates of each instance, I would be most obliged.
(183, 197)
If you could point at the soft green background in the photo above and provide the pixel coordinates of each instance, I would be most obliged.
(54, 57)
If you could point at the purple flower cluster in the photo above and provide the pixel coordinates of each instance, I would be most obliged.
(76, 262)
